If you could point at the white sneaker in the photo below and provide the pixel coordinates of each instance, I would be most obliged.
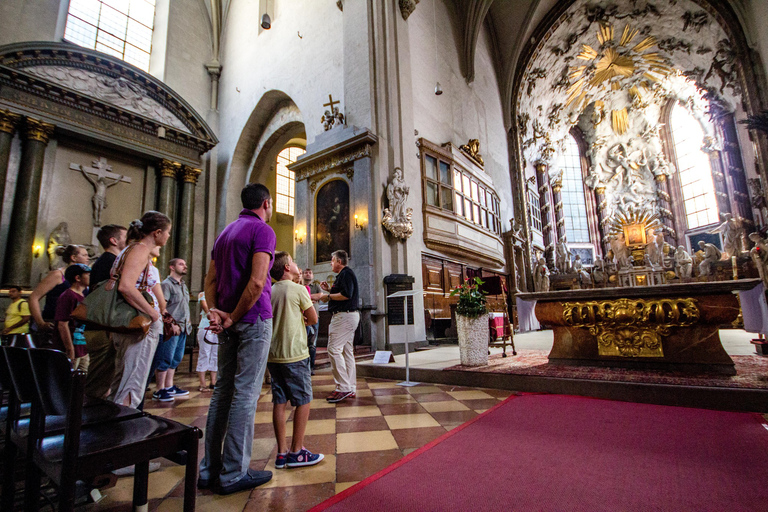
(131, 470)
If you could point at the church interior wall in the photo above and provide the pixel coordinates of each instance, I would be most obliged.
(28, 20)
(464, 111)
(188, 48)
(296, 55)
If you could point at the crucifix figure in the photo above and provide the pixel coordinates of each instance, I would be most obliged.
(332, 117)
(103, 180)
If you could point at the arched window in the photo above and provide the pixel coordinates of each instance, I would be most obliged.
(574, 201)
(694, 169)
(122, 28)
(286, 180)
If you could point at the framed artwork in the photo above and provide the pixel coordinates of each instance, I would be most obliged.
(707, 238)
(331, 220)
(587, 254)
(634, 234)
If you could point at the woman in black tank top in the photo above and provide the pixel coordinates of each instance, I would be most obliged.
(52, 286)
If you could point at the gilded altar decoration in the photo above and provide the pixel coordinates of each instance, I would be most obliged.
(472, 150)
(631, 327)
(397, 219)
(614, 62)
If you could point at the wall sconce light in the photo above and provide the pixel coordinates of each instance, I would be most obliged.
(359, 224)
(438, 89)
(299, 238)
(37, 250)
(266, 22)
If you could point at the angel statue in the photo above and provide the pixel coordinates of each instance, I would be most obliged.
(731, 231)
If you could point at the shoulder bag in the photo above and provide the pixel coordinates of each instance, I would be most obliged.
(106, 309)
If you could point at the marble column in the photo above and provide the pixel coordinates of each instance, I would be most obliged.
(546, 221)
(8, 124)
(166, 203)
(21, 234)
(186, 215)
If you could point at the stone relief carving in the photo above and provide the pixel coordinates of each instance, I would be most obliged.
(118, 91)
(333, 162)
(100, 178)
(612, 76)
(397, 219)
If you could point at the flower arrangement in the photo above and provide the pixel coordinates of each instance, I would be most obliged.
(471, 298)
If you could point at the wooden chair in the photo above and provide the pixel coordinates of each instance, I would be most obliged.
(82, 451)
(17, 372)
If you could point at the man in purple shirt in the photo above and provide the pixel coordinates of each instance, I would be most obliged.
(238, 291)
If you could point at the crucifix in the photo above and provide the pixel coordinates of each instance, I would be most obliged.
(330, 103)
(101, 178)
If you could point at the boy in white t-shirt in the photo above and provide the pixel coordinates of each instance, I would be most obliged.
(288, 361)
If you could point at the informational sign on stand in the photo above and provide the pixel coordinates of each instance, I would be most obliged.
(405, 294)
(383, 357)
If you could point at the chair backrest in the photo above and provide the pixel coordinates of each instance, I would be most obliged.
(21, 373)
(52, 377)
(5, 376)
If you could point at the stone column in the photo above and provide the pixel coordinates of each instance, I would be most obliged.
(186, 216)
(166, 203)
(21, 234)
(667, 217)
(602, 206)
(557, 197)
(8, 123)
(546, 221)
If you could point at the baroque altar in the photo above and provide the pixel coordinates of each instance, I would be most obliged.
(665, 327)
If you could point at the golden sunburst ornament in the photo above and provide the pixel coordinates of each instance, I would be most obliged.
(618, 65)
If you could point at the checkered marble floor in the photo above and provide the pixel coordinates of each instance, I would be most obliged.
(359, 437)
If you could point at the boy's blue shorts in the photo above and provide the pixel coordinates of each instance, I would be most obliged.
(291, 381)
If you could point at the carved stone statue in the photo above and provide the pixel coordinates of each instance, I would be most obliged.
(541, 276)
(654, 250)
(100, 179)
(759, 255)
(711, 255)
(732, 232)
(579, 269)
(620, 252)
(683, 263)
(599, 273)
(562, 256)
(397, 218)
(59, 238)
(397, 193)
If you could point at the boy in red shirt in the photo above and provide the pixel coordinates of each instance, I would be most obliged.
(68, 335)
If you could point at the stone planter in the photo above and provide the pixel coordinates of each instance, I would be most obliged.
(473, 340)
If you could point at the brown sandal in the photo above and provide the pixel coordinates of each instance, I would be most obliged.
(203, 389)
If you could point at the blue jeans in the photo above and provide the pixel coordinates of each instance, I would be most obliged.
(243, 351)
(169, 352)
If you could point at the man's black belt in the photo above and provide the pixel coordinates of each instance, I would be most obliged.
(345, 311)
